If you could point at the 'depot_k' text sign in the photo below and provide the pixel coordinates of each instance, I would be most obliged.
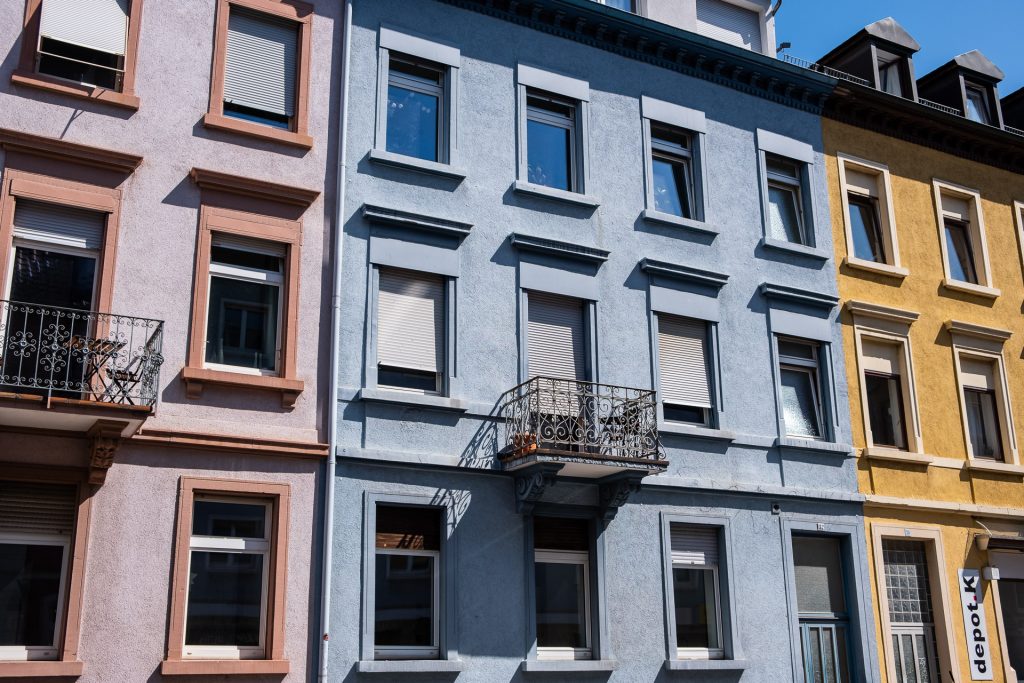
(978, 651)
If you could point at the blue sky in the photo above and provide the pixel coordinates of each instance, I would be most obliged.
(944, 28)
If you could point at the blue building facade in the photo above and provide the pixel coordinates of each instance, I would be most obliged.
(592, 411)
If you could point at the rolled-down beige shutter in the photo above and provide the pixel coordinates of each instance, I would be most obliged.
(557, 336)
(60, 225)
(729, 23)
(881, 357)
(694, 545)
(410, 320)
(683, 361)
(36, 508)
(977, 374)
(95, 24)
(261, 62)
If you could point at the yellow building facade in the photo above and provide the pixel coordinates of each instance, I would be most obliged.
(930, 254)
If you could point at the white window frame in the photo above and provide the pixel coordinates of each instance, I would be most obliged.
(256, 276)
(1003, 405)
(811, 366)
(794, 184)
(702, 652)
(863, 332)
(579, 558)
(886, 215)
(970, 87)
(570, 124)
(231, 545)
(386, 652)
(19, 653)
(710, 368)
(979, 242)
(439, 91)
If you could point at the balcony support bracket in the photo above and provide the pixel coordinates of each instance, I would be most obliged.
(614, 491)
(105, 438)
(531, 483)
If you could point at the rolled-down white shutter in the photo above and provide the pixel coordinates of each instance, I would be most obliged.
(95, 24)
(683, 361)
(882, 358)
(56, 224)
(262, 54)
(729, 23)
(243, 243)
(37, 508)
(977, 374)
(694, 545)
(410, 320)
(556, 336)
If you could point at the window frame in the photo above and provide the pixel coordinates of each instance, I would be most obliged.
(26, 74)
(884, 211)
(812, 367)
(579, 558)
(794, 185)
(568, 123)
(891, 334)
(399, 652)
(976, 230)
(712, 415)
(802, 156)
(984, 94)
(272, 661)
(297, 133)
(440, 91)
(1004, 409)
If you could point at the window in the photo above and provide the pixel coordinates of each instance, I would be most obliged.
(981, 406)
(683, 370)
(672, 172)
(244, 315)
(964, 251)
(37, 523)
(562, 587)
(556, 338)
(870, 221)
(884, 393)
(410, 330)
(729, 23)
(911, 620)
(822, 606)
(416, 109)
(84, 41)
(800, 387)
(890, 74)
(1011, 602)
(407, 583)
(978, 104)
(786, 221)
(865, 224)
(551, 141)
(696, 597)
(228, 586)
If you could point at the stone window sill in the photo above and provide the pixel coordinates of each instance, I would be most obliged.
(81, 91)
(705, 665)
(995, 467)
(696, 432)
(224, 667)
(876, 268)
(256, 130)
(196, 378)
(37, 669)
(968, 288)
(410, 666)
(575, 198)
(795, 443)
(567, 666)
(894, 455)
(800, 249)
(679, 222)
(409, 398)
(413, 164)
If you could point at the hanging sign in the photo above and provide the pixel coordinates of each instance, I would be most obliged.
(974, 625)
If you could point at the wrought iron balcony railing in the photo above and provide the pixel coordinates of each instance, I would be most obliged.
(84, 355)
(581, 419)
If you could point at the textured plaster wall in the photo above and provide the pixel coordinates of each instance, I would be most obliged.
(912, 168)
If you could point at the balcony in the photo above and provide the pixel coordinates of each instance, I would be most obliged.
(77, 371)
(567, 428)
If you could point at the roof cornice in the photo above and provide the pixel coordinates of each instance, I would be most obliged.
(688, 53)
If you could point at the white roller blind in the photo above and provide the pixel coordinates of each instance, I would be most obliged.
(694, 545)
(410, 320)
(37, 508)
(95, 24)
(243, 243)
(56, 224)
(262, 54)
(683, 361)
(556, 336)
(729, 23)
(1011, 565)
(863, 183)
(956, 206)
(881, 357)
(977, 374)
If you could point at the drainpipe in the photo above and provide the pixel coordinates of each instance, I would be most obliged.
(327, 572)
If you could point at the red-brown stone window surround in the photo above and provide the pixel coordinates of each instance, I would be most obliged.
(271, 213)
(26, 74)
(298, 12)
(67, 663)
(274, 662)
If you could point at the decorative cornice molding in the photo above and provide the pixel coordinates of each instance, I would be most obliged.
(880, 312)
(684, 273)
(251, 187)
(71, 152)
(978, 331)
(656, 43)
(798, 296)
(564, 250)
(104, 439)
(416, 221)
(246, 445)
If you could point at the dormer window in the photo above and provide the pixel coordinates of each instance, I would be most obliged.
(977, 104)
(890, 74)
(624, 5)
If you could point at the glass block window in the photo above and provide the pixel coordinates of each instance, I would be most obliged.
(906, 581)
